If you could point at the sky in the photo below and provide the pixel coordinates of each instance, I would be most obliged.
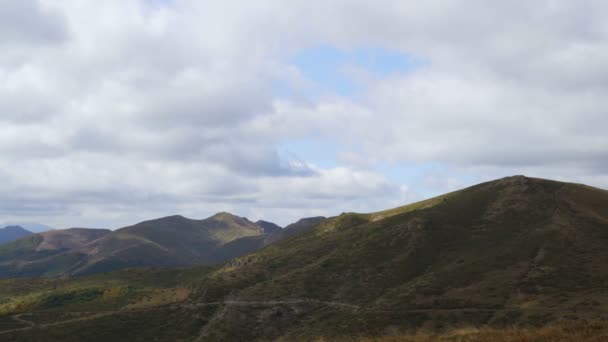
(113, 112)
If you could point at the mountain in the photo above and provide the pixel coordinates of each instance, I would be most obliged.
(12, 233)
(169, 241)
(516, 253)
(295, 228)
(164, 242)
(513, 251)
(269, 227)
(31, 226)
(46, 254)
(272, 234)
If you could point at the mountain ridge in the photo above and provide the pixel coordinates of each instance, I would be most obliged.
(163, 242)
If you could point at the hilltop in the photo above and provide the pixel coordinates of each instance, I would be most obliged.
(515, 252)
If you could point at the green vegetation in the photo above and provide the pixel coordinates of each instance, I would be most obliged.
(518, 259)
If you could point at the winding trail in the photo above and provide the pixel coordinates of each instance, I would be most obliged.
(18, 318)
(217, 316)
(225, 304)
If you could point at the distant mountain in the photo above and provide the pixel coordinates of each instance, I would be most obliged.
(31, 226)
(12, 233)
(268, 227)
(46, 254)
(251, 244)
(169, 241)
(295, 228)
(164, 242)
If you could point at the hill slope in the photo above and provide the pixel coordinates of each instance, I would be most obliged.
(516, 251)
(12, 233)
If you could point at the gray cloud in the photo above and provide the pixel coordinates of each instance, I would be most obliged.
(118, 111)
(28, 22)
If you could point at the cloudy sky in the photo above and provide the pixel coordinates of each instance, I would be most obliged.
(116, 111)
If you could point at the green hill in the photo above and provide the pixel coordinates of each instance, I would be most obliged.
(516, 252)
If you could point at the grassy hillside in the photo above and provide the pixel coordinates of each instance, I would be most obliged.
(509, 252)
(518, 257)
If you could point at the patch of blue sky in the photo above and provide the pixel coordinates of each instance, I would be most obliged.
(425, 179)
(320, 152)
(328, 67)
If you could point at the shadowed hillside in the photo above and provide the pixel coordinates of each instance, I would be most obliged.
(268, 227)
(517, 252)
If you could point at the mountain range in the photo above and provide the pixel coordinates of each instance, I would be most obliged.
(165, 242)
(515, 253)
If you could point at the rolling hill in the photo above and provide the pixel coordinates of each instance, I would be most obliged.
(516, 252)
(12, 233)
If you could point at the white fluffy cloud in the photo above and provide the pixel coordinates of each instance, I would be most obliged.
(115, 111)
